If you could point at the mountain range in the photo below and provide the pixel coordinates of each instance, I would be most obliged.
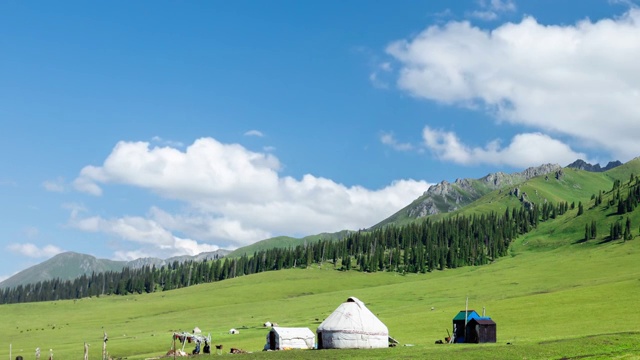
(439, 199)
(70, 265)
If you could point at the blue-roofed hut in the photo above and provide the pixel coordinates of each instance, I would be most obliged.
(459, 324)
(478, 329)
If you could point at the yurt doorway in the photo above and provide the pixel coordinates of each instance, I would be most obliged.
(272, 340)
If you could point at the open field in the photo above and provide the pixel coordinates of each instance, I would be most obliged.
(574, 301)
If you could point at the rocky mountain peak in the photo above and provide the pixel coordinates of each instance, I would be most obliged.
(539, 170)
(447, 197)
(583, 165)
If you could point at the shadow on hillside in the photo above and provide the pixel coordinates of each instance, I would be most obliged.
(608, 239)
(605, 240)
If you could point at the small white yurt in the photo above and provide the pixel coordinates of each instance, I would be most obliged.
(286, 338)
(352, 326)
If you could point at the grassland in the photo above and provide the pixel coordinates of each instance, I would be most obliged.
(576, 300)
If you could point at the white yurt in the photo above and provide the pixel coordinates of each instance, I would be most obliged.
(352, 326)
(286, 338)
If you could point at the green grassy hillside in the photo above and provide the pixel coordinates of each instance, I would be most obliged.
(548, 304)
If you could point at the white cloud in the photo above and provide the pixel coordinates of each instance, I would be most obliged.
(74, 208)
(172, 143)
(490, 10)
(234, 196)
(84, 184)
(525, 150)
(156, 239)
(56, 185)
(254, 133)
(486, 15)
(182, 247)
(33, 251)
(390, 140)
(131, 228)
(581, 80)
(205, 226)
(501, 5)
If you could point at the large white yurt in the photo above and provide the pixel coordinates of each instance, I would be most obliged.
(352, 326)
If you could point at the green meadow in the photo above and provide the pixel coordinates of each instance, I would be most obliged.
(577, 300)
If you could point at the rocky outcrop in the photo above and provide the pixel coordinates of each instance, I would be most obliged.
(446, 197)
(538, 170)
(582, 165)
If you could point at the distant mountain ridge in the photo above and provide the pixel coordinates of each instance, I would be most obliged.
(70, 265)
(446, 197)
(582, 165)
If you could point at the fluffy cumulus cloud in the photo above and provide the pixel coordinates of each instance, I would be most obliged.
(156, 240)
(530, 149)
(580, 80)
(233, 197)
(34, 251)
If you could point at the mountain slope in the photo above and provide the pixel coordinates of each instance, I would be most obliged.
(446, 197)
(285, 242)
(65, 266)
(70, 265)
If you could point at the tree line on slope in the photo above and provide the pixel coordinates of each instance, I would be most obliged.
(418, 247)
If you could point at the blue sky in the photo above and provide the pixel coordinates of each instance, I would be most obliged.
(164, 128)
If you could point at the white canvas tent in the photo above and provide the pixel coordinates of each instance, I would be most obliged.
(352, 326)
(285, 338)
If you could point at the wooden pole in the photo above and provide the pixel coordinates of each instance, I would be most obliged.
(466, 312)
(104, 345)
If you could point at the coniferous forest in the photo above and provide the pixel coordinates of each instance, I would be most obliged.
(418, 247)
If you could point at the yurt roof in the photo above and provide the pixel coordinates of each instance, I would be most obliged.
(291, 332)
